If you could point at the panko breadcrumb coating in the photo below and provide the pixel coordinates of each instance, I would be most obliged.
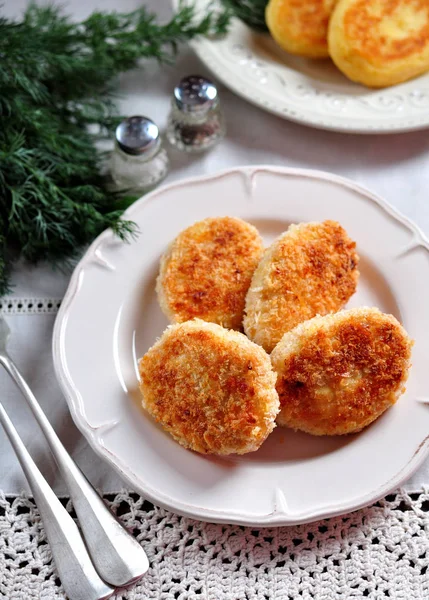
(207, 270)
(380, 42)
(338, 373)
(300, 26)
(211, 388)
(310, 269)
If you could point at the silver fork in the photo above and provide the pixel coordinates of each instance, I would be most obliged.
(117, 556)
(79, 578)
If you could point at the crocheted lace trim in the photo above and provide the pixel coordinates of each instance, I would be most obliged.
(380, 552)
(29, 306)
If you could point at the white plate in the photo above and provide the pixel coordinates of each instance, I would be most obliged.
(309, 91)
(110, 317)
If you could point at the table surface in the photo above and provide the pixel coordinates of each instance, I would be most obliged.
(395, 167)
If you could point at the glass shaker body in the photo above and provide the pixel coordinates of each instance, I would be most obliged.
(194, 133)
(138, 173)
(196, 121)
(139, 162)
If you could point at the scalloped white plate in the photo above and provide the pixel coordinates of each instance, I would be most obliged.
(311, 92)
(110, 317)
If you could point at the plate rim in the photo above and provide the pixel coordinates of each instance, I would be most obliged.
(157, 497)
(203, 49)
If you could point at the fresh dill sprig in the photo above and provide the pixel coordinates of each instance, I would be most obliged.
(251, 12)
(56, 80)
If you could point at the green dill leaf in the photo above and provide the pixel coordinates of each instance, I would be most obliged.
(57, 82)
(251, 12)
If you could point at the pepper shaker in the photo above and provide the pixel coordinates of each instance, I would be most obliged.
(139, 162)
(196, 121)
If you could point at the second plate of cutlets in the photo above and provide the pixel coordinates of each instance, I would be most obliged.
(111, 316)
(314, 92)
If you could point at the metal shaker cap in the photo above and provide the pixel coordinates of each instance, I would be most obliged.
(138, 136)
(195, 94)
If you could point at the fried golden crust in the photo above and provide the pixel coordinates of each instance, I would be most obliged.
(207, 270)
(212, 389)
(311, 269)
(336, 374)
(380, 43)
(300, 26)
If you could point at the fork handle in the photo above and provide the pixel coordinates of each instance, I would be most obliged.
(117, 556)
(78, 576)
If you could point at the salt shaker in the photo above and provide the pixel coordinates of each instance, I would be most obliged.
(196, 121)
(139, 162)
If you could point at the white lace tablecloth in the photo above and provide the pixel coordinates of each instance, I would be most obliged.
(379, 553)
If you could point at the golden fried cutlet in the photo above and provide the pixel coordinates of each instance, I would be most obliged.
(300, 26)
(207, 270)
(310, 269)
(338, 373)
(382, 42)
(211, 388)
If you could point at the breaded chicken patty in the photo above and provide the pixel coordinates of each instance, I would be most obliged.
(382, 42)
(309, 270)
(207, 270)
(300, 26)
(211, 388)
(338, 373)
